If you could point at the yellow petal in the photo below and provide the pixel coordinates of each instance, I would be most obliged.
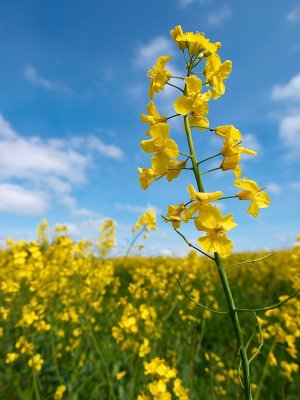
(262, 199)
(253, 209)
(224, 246)
(211, 218)
(159, 162)
(171, 148)
(228, 222)
(193, 85)
(161, 130)
(148, 145)
(183, 105)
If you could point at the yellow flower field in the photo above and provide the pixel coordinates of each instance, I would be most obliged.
(78, 325)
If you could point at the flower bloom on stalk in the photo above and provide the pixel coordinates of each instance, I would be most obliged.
(163, 147)
(191, 100)
(216, 72)
(216, 226)
(159, 75)
(154, 116)
(201, 200)
(148, 219)
(36, 362)
(196, 42)
(175, 33)
(147, 175)
(259, 198)
(174, 214)
(59, 392)
(231, 150)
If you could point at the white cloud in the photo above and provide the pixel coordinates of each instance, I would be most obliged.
(136, 209)
(51, 167)
(147, 54)
(289, 133)
(290, 91)
(294, 15)
(107, 150)
(219, 17)
(295, 185)
(186, 3)
(16, 199)
(273, 187)
(33, 76)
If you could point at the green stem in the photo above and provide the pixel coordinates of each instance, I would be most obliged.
(210, 170)
(236, 325)
(172, 116)
(132, 244)
(102, 360)
(177, 87)
(218, 261)
(35, 385)
(228, 197)
(265, 370)
(191, 245)
(251, 261)
(209, 158)
(193, 154)
(276, 305)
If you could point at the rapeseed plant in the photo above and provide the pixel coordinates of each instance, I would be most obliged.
(199, 86)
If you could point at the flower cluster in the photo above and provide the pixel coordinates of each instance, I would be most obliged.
(200, 86)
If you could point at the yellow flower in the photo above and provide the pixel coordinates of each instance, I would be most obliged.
(159, 75)
(11, 357)
(216, 226)
(175, 33)
(179, 390)
(259, 198)
(174, 214)
(154, 117)
(120, 375)
(202, 202)
(216, 72)
(59, 392)
(36, 362)
(163, 147)
(196, 42)
(148, 219)
(144, 348)
(147, 175)
(191, 100)
(231, 150)
(157, 387)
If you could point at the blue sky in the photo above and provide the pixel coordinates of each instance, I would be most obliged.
(73, 83)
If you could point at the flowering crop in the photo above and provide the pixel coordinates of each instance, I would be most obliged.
(197, 88)
(75, 324)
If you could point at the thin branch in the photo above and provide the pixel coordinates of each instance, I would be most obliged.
(177, 87)
(199, 304)
(209, 158)
(177, 77)
(277, 305)
(185, 155)
(191, 245)
(173, 116)
(251, 261)
(228, 197)
(210, 170)
(258, 325)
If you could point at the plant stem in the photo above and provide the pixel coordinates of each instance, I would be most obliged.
(35, 385)
(236, 325)
(265, 370)
(218, 261)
